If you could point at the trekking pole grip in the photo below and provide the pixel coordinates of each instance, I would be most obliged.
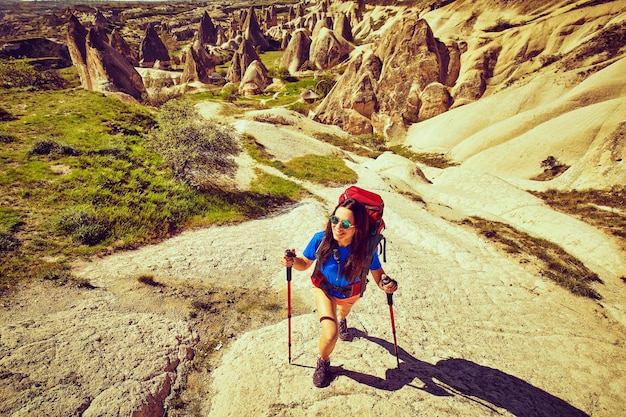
(386, 280)
(289, 253)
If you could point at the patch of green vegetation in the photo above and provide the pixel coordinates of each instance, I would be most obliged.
(329, 170)
(436, 160)
(277, 187)
(604, 209)
(322, 169)
(19, 73)
(271, 60)
(369, 145)
(78, 178)
(290, 94)
(554, 262)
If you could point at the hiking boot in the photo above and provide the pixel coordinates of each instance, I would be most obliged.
(321, 376)
(344, 334)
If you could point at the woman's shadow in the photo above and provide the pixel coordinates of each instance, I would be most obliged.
(487, 386)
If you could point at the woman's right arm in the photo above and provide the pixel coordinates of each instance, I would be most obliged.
(300, 263)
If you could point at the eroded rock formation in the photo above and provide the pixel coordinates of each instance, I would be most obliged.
(255, 79)
(383, 89)
(199, 65)
(252, 32)
(121, 46)
(245, 55)
(328, 49)
(99, 65)
(297, 52)
(153, 49)
(207, 32)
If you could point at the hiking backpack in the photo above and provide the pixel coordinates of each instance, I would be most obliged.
(375, 207)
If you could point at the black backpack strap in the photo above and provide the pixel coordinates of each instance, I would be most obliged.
(374, 241)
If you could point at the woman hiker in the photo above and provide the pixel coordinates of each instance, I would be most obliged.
(340, 251)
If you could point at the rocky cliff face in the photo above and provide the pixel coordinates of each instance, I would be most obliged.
(390, 89)
(456, 55)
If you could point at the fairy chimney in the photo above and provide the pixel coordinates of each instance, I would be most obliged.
(252, 31)
(121, 46)
(100, 66)
(243, 57)
(255, 79)
(297, 52)
(343, 28)
(328, 50)
(152, 48)
(199, 65)
(326, 22)
(77, 45)
(207, 33)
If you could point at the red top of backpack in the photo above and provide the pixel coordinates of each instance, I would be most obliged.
(372, 202)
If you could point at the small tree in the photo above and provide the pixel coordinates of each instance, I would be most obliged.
(198, 151)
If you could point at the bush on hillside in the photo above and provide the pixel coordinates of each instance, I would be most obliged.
(20, 74)
(198, 152)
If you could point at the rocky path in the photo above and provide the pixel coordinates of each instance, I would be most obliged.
(479, 332)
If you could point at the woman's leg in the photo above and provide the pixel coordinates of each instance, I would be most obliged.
(344, 307)
(327, 313)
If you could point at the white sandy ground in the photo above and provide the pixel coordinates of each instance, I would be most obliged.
(479, 332)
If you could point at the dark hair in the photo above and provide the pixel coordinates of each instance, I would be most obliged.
(354, 265)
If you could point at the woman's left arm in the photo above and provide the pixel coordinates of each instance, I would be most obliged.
(378, 276)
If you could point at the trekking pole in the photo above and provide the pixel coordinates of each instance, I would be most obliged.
(386, 280)
(289, 253)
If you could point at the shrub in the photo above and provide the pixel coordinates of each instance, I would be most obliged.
(8, 242)
(47, 147)
(437, 160)
(373, 140)
(82, 224)
(552, 168)
(273, 119)
(198, 151)
(283, 73)
(161, 96)
(5, 116)
(324, 85)
(57, 276)
(230, 92)
(20, 74)
(16, 74)
(7, 138)
(149, 280)
(300, 107)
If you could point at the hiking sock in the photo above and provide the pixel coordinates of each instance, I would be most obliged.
(344, 334)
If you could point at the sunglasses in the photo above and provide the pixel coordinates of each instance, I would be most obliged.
(344, 223)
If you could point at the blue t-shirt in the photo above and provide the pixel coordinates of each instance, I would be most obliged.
(333, 270)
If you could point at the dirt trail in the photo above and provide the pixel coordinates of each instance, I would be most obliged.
(480, 334)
